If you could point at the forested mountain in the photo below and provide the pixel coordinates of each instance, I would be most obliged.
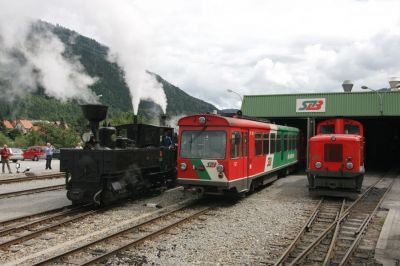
(111, 84)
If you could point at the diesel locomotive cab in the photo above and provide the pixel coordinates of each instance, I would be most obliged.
(117, 162)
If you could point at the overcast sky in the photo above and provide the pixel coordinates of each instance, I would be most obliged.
(251, 46)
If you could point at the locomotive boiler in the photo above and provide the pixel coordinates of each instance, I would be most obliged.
(336, 158)
(117, 162)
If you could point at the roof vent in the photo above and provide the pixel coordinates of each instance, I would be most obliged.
(347, 85)
(394, 83)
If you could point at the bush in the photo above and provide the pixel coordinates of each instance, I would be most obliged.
(5, 140)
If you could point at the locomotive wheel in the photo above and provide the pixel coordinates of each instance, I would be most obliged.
(106, 198)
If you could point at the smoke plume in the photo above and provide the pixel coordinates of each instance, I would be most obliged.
(31, 56)
(120, 26)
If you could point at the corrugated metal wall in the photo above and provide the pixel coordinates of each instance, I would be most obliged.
(337, 104)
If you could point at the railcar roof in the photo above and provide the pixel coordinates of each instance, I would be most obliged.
(217, 120)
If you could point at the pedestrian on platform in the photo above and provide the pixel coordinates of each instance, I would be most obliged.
(49, 155)
(5, 158)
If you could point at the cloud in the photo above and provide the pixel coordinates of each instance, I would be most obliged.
(252, 47)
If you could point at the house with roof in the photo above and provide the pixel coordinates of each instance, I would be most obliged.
(61, 124)
(24, 125)
(7, 124)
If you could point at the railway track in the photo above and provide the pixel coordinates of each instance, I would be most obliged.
(334, 230)
(31, 178)
(99, 250)
(31, 191)
(22, 229)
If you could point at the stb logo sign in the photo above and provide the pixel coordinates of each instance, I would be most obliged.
(310, 105)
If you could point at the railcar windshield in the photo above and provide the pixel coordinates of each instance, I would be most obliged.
(203, 144)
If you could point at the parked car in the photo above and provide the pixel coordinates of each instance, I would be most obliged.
(35, 153)
(17, 154)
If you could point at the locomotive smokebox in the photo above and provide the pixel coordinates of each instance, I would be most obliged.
(94, 113)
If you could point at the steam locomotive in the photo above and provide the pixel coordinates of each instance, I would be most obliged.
(117, 162)
(336, 162)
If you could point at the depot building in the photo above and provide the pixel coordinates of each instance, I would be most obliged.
(378, 111)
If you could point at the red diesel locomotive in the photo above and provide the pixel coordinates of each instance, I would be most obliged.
(336, 158)
(220, 154)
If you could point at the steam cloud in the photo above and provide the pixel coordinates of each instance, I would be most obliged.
(32, 56)
(120, 26)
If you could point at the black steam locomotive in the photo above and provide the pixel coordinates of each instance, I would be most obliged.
(117, 162)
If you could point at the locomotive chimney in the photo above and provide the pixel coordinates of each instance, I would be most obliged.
(94, 113)
(135, 119)
(163, 120)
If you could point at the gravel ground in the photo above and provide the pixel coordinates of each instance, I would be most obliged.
(255, 230)
(77, 232)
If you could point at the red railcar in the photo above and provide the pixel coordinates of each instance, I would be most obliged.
(220, 154)
(336, 158)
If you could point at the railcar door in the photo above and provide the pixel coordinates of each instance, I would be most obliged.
(239, 159)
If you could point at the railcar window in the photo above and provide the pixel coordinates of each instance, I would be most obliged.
(236, 145)
(273, 142)
(294, 142)
(290, 142)
(285, 142)
(327, 129)
(203, 144)
(266, 143)
(245, 143)
(258, 144)
(351, 129)
(278, 143)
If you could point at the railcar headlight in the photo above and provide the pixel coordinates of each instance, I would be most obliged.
(220, 168)
(349, 165)
(318, 165)
(183, 166)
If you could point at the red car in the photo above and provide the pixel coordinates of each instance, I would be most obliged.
(35, 153)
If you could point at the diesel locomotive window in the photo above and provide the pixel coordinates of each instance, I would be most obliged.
(327, 129)
(236, 145)
(258, 144)
(351, 129)
(266, 143)
(273, 142)
(203, 144)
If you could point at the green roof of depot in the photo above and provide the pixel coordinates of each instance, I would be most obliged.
(335, 104)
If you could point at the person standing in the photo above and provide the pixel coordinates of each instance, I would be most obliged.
(5, 158)
(49, 155)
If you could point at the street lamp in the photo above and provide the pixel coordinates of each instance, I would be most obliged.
(241, 98)
(379, 95)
